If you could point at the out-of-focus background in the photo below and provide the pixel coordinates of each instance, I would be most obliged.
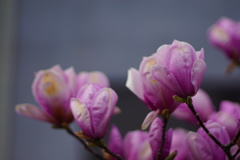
(110, 36)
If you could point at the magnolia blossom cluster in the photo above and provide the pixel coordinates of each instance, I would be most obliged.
(168, 82)
(65, 96)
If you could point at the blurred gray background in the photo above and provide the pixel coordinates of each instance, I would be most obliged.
(110, 36)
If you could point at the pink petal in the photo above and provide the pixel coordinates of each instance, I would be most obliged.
(200, 54)
(82, 116)
(161, 54)
(134, 83)
(179, 61)
(231, 108)
(57, 68)
(87, 93)
(179, 144)
(144, 152)
(155, 135)
(199, 147)
(167, 79)
(94, 77)
(101, 110)
(34, 112)
(98, 78)
(71, 80)
(149, 118)
(198, 69)
(115, 141)
(132, 142)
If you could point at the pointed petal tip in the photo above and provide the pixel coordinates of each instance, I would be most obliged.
(31, 111)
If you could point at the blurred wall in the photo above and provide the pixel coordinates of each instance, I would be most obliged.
(110, 36)
(7, 66)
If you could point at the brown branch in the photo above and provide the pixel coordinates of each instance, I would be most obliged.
(68, 129)
(165, 122)
(102, 145)
(235, 154)
(200, 122)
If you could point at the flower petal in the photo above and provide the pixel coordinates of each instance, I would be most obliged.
(134, 83)
(82, 116)
(155, 135)
(71, 78)
(34, 112)
(179, 61)
(199, 147)
(132, 143)
(167, 79)
(87, 93)
(101, 110)
(115, 141)
(200, 54)
(149, 118)
(94, 77)
(198, 69)
(144, 152)
(220, 133)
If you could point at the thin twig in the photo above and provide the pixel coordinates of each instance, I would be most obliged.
(235, 154)
(234, 140)
(200, 122)
(107, 150)
(165, 122)
(67, 128)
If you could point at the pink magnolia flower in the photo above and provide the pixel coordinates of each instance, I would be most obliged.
(220, 133)
(144, 85)
(228, 116)
(225, 35)
(52, 89)
(202, 104)
(93, 108)
(179, 68)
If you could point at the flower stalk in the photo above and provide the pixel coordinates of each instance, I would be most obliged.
(69, 130)
(200, 122)
(102, 145)
(166, 117)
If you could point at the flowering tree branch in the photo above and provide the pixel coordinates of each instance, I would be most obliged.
(200, 122)
(68, 129)
(102, 145)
